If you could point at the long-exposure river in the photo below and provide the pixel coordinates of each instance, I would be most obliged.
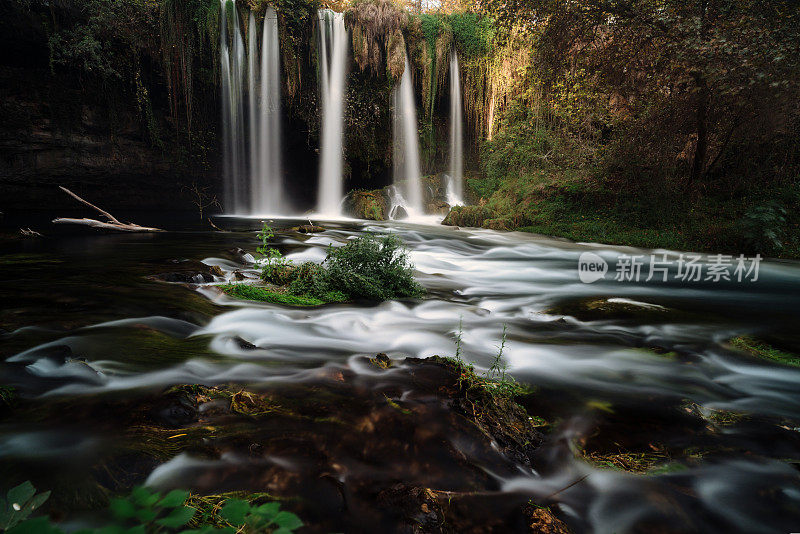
(615, 362)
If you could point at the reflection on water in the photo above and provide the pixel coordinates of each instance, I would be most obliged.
(81, 317)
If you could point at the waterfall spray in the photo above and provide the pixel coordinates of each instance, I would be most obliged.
(405, 140)
(333, 70)
(455, 182)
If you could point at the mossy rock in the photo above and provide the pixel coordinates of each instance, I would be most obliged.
(369, 205)
(473, 216)
(498, 224)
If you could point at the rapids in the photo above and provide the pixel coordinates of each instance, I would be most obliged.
(81, 318)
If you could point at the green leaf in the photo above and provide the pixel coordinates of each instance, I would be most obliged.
(145, 515)
(38, 525)
(268, 510)
(122, 508)
(38, 500)
(21, 494)
(288, 520)
(173, 499)
(234, 511)
(144, 497)
(178, 517)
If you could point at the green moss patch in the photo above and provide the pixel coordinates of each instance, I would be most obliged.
(263, 294)
(764, 350)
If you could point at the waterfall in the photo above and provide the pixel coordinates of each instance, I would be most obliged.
(405, 141)
(252, 162)
(455, 182)
(252, 85)
(232, 75)
(333, 70)
(267, 196)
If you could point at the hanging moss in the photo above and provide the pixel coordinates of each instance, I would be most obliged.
(375, 26)
(187, 29)
(396, 60)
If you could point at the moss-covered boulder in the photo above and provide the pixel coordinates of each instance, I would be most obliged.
(467, 216)
(370, 205)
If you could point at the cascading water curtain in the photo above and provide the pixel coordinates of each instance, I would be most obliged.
(455, 182)
(252, 162)
(232, 76)
(267, 192)
(333, 73)
(405, 144)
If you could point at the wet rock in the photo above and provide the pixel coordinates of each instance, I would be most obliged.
(438, 207)
(191, 272)
(399, 213)
(238, 276)
(309, 229)
(370, 205)
(413, 506)
(175, 410)
(382, 360)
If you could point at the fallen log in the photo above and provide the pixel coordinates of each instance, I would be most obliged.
(112, 224)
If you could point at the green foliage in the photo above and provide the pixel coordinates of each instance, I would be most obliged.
(146, 511)
(20, 502)
(8, 395)
(764, 350)
(473, 216)
(274, 267)
(473, 34)
(367, 267)
(371, 267)
(762, 227)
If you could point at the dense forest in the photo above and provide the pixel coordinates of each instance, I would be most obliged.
(648, 123)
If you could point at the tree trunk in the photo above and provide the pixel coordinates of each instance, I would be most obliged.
(701, 151)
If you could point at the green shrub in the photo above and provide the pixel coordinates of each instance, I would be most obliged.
(308, 279)
(762, 227)
(371, 267)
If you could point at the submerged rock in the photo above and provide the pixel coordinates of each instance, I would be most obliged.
(309, 229)
(191, 272)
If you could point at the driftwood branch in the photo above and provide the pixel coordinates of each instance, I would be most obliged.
(112, 224)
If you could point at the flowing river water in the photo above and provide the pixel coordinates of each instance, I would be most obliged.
(82, 318)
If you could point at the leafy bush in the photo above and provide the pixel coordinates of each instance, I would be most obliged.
(148, 511)
(473, 34)
(371, 267)
(274, 267)
(762, 227)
